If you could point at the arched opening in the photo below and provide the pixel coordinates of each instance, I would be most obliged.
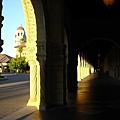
(36, 43)
(45, 50)
(96, 51)
(13, 18)
(13, 85)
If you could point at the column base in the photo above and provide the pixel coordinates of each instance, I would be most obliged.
(43, 106)
(34, 103)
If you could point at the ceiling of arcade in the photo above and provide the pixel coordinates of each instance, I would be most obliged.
(92, 19)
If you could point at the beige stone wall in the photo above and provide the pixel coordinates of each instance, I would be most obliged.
(112, 62)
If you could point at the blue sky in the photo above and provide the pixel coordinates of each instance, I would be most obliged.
(13, 17)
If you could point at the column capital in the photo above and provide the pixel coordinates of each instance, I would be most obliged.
(31, 50)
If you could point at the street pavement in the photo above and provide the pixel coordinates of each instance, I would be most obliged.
(14, 93)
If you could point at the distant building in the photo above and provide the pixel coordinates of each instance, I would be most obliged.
(4, 61)
(19, 42)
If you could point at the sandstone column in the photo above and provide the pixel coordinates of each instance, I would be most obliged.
(33, 83)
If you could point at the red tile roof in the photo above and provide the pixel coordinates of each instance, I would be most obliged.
(20, 28)
(5, 58)
(22, 45)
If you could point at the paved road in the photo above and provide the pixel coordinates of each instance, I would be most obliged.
(14, 93)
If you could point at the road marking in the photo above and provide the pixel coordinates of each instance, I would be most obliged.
(15, 83)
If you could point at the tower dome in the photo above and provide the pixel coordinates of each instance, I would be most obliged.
(20, 27)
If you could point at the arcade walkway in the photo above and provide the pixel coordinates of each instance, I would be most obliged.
(97, 98)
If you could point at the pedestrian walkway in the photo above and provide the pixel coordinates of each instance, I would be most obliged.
(97, 98)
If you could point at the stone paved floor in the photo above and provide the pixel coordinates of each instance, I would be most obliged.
(97, 98)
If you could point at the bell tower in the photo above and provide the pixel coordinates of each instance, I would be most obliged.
(19, 41)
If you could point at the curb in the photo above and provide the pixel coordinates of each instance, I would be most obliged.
(20, 113)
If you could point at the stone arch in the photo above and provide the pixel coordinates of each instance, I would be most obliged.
(111, 62)
(97, 39)
(35, 30)
(45, 50)
(101, 39)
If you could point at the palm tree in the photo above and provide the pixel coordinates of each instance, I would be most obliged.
(20, 48)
